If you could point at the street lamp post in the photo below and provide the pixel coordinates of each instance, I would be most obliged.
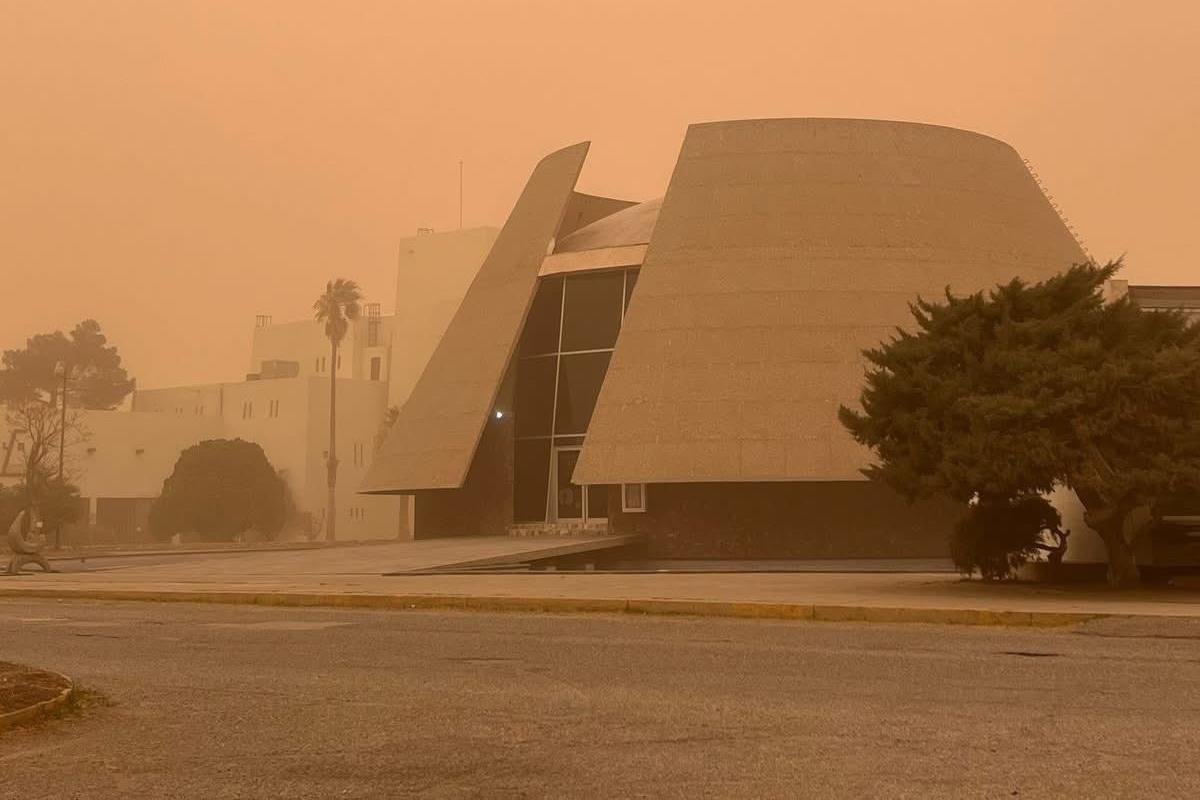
(61, 369)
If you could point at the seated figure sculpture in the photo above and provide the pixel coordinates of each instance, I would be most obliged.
(26, 549)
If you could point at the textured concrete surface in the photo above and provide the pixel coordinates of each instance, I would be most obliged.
(220, 703)
(434, 438)
(782, 250)
(357, 573)
(370, 559)
(630, 226)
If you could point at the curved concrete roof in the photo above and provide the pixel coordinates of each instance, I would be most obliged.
(630, 226)
(782, 250)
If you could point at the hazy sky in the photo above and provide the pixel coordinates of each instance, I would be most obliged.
(174, 167)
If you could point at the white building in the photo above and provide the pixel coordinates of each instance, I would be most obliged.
(283, 405)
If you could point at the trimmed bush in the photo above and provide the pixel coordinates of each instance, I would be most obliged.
(996, 537)
(220, 488)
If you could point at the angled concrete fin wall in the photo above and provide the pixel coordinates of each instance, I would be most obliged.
(434, 439)
(783, 249)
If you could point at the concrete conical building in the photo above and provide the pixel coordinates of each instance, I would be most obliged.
(674, 368)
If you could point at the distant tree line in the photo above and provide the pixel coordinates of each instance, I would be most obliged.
(43, 386)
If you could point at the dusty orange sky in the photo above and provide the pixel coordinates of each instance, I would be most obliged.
(174, 168)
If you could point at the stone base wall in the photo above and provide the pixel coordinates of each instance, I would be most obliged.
(844, 519)
(593, 527)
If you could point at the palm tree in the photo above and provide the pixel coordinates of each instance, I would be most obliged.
(336, 308)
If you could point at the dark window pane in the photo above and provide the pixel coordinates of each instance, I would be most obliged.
(569, 501)
(579, 380)
(597, 501)
(568, 441)
(535, 396)
(531, 475)
(541, 327)
(592, 311)
(631, 276)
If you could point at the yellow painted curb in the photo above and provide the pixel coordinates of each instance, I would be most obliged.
(29, 713)
(574, 605)
(711, 608)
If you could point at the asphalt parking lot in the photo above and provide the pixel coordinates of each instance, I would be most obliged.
(248, 702)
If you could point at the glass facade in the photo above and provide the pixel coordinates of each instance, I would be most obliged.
(563, 357)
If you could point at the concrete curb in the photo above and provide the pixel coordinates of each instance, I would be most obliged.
(696, 608)
(30, 713)
(288, 547)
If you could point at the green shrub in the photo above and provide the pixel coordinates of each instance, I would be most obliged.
(219, 489)
(996, 537)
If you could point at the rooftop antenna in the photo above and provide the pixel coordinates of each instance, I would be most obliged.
(460, 192)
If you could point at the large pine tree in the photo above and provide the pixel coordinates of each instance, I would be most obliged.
(1005, 394)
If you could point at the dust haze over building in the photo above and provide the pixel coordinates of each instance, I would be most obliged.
(282, 405)
(177, 167)
(670, 368)
(674, 368)
(556, 489)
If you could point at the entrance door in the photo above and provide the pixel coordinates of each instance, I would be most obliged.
(568, 496)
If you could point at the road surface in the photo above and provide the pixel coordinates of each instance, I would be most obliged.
(248, 702)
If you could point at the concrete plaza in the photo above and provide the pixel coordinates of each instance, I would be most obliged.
(358, 576)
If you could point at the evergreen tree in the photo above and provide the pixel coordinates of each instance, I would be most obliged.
(218, 489)
(1002, 395)
(96, 378)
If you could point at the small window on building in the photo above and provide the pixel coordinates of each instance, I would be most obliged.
(633, 497)
(316, 365)
(376, 367)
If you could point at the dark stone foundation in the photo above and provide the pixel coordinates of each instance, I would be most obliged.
(845, 519)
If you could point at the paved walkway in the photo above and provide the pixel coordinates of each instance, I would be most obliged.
(364, 558)
(354, 576)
